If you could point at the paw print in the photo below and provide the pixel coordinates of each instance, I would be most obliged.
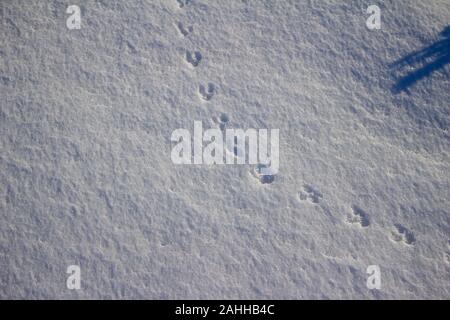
(193, 58)
(400, 234)
(222, 121)
(308, 193)
(358, 216)
(263, 173)
(183, 3)
(185, 31)
(206, 93)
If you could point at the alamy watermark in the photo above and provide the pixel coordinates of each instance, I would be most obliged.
(374, 278)
(235, 146)
(373, 22)
(74, 279)
(73, 22)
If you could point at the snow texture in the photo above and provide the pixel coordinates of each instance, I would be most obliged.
(86, 177)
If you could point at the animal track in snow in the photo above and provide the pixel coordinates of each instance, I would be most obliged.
(193, 58)
(206, 93)
(185, 31)
(309, 194)
(182, 3)
(131, 47)
(263, 178)
(222, 121)
(400, 234)
(358, 216)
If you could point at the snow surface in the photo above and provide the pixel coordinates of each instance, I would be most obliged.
(86, 177)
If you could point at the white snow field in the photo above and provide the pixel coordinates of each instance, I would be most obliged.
(86, 176)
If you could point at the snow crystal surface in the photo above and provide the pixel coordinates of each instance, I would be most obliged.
(86, 176)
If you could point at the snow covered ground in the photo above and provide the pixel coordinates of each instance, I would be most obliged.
(86, 176)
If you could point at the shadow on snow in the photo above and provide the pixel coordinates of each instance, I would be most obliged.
(428, 60)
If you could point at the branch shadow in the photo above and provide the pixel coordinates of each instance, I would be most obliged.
(428, 59)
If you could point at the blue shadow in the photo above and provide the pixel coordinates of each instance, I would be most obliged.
(429, 60)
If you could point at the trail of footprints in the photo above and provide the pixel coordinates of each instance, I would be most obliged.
(358, 217)
(207, 91)
(308, 194)
(193, 58)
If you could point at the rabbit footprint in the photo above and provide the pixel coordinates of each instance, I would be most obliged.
(402, 235)
(263, 173)
(185, 31)
(182, 3)
(358, 216)
(206, 93)
(222, 121)
(193, 58)
(310, 194)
